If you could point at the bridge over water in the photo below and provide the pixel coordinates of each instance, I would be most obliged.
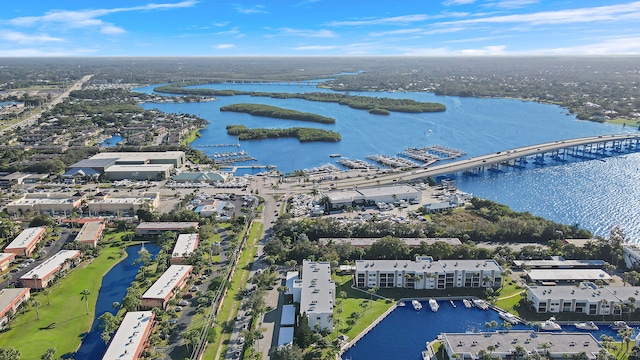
(594, 147)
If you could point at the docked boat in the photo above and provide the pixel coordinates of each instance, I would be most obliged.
(335, 155)
(452, 303)
(466, 303)
(480, 304)
(509, 317)
(416, 305)
(589, 325)
(620, 325)
(434, 305)
(550, 325)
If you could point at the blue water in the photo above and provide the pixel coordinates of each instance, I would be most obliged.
(112, 141)
(404, 332)
(595, 195)
(114, 288)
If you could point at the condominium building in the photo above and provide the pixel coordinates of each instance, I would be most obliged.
(315, 291)
(425, 273)
(185, 246)
(131, 338)
(6, 259)
(40, 276)
(157, 228)
(26, 241)
(90, 233)
(10, 300)
(167, 285)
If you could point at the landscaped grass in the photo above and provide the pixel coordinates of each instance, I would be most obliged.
(62, 323)
(238, 282)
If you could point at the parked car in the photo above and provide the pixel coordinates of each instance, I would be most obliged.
(178, 308)
(183, 303)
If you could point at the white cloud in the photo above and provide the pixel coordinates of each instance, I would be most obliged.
(43, 53)
(231, 32)
(258, 9)
(477, 39)
(510, 4)
(21, 38)
(626, 12)
(457, 2)
(315, 48)
(307, 33)
(112, 30)
(224, 46)
(607, 46)
(396, 20)
(397, 32)
(487, 50)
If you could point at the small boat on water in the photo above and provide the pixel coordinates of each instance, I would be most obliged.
(466, 303)
(509, 317)
(434, 305)
(452, 303)
(550, 325)
(589, 325)
(480, 304)
(334, 155)
(416, 305)
(620, 325)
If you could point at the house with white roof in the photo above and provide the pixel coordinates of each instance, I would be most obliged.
(167, 285)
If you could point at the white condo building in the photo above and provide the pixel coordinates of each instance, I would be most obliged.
(316, 293)
(424, 273)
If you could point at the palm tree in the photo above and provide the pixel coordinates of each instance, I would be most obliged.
(85, 296)
(545, 346)
(631, 306)
(36, 304)
(35, 278)
(47, 292)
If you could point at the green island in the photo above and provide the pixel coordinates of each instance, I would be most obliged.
(302, 134)
(277, 112)
(355, 102)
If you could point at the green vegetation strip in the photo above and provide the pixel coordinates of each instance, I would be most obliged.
(238, 283)
(302, 134)
(277, 112)
(356, 102)
(65, 318)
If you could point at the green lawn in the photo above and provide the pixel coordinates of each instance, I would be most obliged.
(32, 337)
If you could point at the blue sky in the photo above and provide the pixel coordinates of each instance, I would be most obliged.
(319, 27)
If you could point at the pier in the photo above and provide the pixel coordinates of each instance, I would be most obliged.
(394, 162)
(217, 145)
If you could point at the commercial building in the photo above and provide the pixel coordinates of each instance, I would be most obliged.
(131, 338)
(367, 242)
(521, 344)
(558, 262)
(6, 259)
(586, 298)
(424, 273)
(201, 176)
(137, 172)
(167, 285)
(90, 233)
(40, 276)
(185, 246)
(315, 291)
(341, 199)
(50, 203)
(554, 276)
(129, 203)
(157, 228)
(26, 241)
(10, 300)
(130, 165)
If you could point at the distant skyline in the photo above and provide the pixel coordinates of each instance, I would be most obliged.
(319, 28)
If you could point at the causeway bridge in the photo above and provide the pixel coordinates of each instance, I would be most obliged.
(594, 147)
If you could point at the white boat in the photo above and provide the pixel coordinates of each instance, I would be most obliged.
(550, 325)
(335, 155)
(466, 303)
(416, 305)
(434, 305)
(620, 325)
(452, 303)
(589, 325)
(509, 317)
(480, 304)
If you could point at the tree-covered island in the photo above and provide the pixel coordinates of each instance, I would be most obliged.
(372, 104)
(277, 113)
(302, 134)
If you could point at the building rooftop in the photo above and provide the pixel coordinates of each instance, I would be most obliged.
(586, 291)
(185, 245)
(317, 288)
(344, 195)
(127, 199)
(139, 156)
(6, 257)
(93, 163)
(166, 225)
(285, 336)
(560, 263)
(288, 317)
(532, 342)
(411, 242)
(51, 265)
(131, 335)
(26, 238)
(388, 190)
(165, 284)
(567, 274)
(138, 168)
(90, 231)
(9, 295)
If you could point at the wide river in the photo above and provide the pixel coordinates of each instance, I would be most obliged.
(595, 194)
